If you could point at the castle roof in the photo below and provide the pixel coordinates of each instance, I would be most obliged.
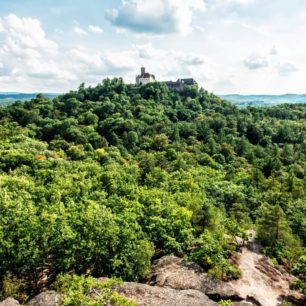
(147, 75)
(189, 81)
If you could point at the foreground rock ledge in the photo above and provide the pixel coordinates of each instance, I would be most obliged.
(184, 279)
(147, 295)
(9, 302)
(46, 298)
(175, 283)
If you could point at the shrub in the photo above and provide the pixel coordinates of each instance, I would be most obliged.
(299, 285)
(80, 290)
(224, 271)
(211, 254)
(225, 303)
(13, 287)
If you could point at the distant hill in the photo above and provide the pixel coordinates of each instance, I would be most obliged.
(7, 98)
(264, 100)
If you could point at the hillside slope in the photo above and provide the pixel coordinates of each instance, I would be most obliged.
(104, 179)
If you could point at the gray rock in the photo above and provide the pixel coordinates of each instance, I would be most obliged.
(224, 292)
(9, 302)
(174, 282)
(46, 298)
(165, 261)
(170, 271)
(147, 295)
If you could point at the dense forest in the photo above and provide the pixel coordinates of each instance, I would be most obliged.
(102, 180)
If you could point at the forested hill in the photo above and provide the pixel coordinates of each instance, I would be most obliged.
(8, 98)
(104, 179)
(264, 100)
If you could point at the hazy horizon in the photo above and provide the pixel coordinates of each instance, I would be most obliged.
(216, 93)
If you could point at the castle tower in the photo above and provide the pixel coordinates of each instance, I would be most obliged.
(144, 77)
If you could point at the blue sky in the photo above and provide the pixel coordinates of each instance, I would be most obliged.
(228, 46)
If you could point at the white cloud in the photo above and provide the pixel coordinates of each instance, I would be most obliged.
(200, 29)
(27, 56)
(24, 35)
(164, 63)
(155, 17)
(274, 51)
(32, 60)
(173, 64)
(91, 62)
(254, 62)
(95, 29)
(148, 52)
(28, 66)
(234, 2)
(287, 68)
(242, 2)
(79, 31)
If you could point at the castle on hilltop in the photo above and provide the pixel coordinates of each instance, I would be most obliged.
(179, 85)
(144, 77)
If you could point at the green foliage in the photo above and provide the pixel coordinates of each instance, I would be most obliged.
(61, 222)
(101, 179)
(86, 291)
(13, 287)
(223, 270)
(286, 303)
(299, 270)
(225, 303)
(211, 253)
(167, 224)
(274, 232)
(299, 285)
(300, 267)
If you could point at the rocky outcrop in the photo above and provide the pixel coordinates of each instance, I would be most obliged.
(173, 272)
(46, 298)
(170, 271)
(9, 302)
(261, 284)
(173, 282)
(147, 295)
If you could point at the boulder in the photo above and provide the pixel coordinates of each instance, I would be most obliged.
(171, 271)
(253, 300)
(224, 292)
(173, 282)
(46, 298)
(9, 302)
(147, 295)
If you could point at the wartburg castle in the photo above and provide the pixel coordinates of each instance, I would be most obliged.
(146, 77)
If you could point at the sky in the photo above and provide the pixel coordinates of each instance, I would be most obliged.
(228, 46)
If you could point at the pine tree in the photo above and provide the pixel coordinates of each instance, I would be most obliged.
(273, 228)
